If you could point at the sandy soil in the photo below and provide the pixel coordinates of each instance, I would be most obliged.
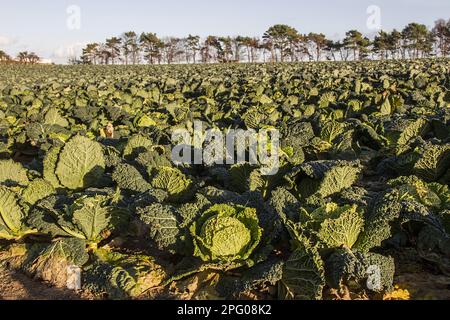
(17, 286)
(425, 286)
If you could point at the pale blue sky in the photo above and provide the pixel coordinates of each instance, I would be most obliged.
(41, 25)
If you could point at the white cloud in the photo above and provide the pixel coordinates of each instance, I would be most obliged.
(337, 36)
(69, 51)
(7, 41)
(46, 61)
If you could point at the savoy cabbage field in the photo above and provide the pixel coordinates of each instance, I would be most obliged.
(87, 182)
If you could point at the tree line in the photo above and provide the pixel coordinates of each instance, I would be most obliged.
(23, 57)
(280, 43)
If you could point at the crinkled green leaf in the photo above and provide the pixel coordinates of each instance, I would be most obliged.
(129, 178)
(163, 225)
(92, 217)
(81, 163)
(325, 178)
(173, 181)
(12, 173)
(226, 233)
(342, 230)
(12, 215)
(433, 163)
(37, 190)
(50, 162)
(52, 117)
(137, 144)
(303, 274)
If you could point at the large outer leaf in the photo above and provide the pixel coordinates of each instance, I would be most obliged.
(12, 173)
(48, 217)
(50, 162)
(72, 250)
(11, 214)
(50, 262)
(296, 134)
(343, 230)
(434, 245)
(377, 225)
(37, 190)
(434, 162)
(401, 131)
(325, 178)
(52, 117)
(331, 130)
(173, 181)
(284, 204)
(152, 159)
(122, 276)
(433, 195)
(129, 178)
(163, 225)
(266, 272)
(303, 274)
(360, 270)
(337, 179)
(81, 163)
(92, 217)
(239, 174)
(137, 144)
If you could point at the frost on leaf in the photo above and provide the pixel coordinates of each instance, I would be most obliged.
(81, 163)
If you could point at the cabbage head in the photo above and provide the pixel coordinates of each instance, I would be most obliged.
(226, 233)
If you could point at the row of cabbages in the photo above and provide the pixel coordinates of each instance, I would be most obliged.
(132, 222)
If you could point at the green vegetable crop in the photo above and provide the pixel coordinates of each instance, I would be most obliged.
(87, 180)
